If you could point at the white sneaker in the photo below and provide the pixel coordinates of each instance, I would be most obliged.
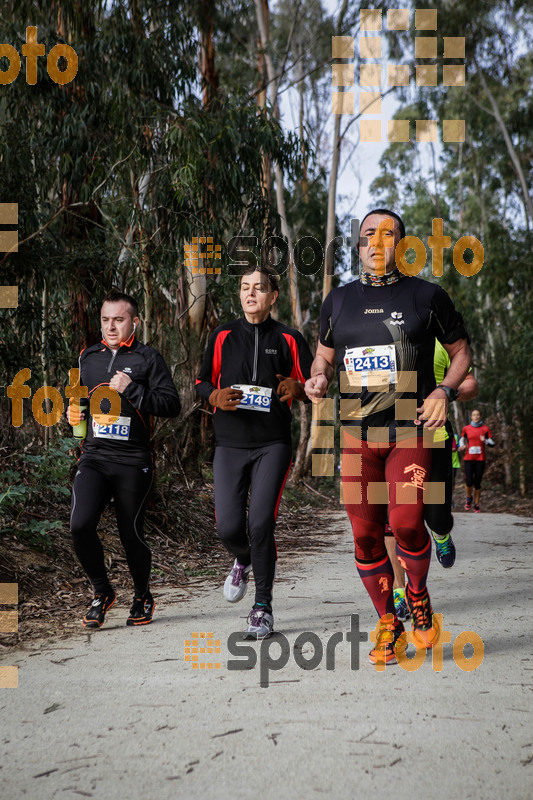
(237, 582)
(260, 624)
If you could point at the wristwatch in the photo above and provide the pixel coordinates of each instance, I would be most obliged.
(451, 394)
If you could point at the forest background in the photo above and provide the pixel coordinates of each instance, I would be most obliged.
(176, 126)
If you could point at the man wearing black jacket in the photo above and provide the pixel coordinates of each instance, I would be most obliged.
(252, 370)
(115, 460)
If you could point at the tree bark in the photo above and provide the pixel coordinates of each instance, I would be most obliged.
(528, 203)
(300, 465)
(44, 355)
(507, 452)
(266, 177)
(329, 259)
(261, 7)
(296, 308)
(196, 295)
(207, 53)
(305, 181)
(521, 457)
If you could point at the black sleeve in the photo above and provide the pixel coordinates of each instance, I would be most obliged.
(446, 322)
(306, 359)
(326, 333)
(204, 385)
(160, 397)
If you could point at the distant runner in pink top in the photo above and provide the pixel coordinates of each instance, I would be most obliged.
(473, 440)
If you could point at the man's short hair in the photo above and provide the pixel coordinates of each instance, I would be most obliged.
(387, 213)
(264, 269)
(114, 296)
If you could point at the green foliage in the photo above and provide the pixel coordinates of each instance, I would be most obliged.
(116, 171)
(475, 188)
(33, 484)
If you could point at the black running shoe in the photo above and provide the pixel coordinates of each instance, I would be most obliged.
(95, 616)
(142, 610)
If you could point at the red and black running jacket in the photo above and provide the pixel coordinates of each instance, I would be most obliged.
(241, 352)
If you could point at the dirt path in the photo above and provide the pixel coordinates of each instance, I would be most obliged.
(120, 713)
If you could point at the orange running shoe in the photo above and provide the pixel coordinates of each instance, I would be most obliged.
(388, 632)
(95, 616)
(426, 630)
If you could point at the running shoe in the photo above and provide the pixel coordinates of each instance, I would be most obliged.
(426, 630)
(400, 605)
(102, 602)
(476, 509)
(142, 610)
(468, 504)
(445, 550)
(260, 623)
(388, 641)
(237, 582)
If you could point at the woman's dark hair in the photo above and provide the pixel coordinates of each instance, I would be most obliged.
(264, 269)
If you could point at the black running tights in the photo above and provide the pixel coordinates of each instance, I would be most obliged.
(262, 471)
(95, 483)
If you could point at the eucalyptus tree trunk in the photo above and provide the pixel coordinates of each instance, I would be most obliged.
(266, 182)
(196, 296)
(44, 354)
(296, 308)
(332, 186)
(331, 218)
(507, 452)
(261, 7)
(301, 86)
(528, 203)
(521, 457)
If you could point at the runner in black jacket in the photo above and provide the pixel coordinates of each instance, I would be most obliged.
(252, 370)
(115, 460)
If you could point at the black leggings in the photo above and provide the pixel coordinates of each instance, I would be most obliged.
(95, 483)
(439, 516)
(263, 471)
(473, 473)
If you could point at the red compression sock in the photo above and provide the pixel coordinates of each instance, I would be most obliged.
(378, 578)
(416, 566)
